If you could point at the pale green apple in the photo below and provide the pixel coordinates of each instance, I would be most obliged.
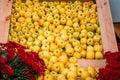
(90, 27)
(90, 34)
(90, 41)
(76, 35)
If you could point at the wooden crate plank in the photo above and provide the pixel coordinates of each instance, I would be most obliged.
(5, 12)
(106, 26)
(107, 33)
(96, 63)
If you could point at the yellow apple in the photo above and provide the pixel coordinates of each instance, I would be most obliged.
(15, 39)
(41, 37)
(89, 78)
(80, 15)
(61, 66)
(90, 55)
(83, 35)
(69, 51)
(57, 52)
(53, 59)
(79, 71)
(90, 41)
(77, 48)
(73, 68)
(55, 67)
(76, 34)
(61, 77)
(98, 48)
(61, 10)
(63, 20)
(61, 43)
(96, 38)
(69, 22)
(71, 74)
(63, 58)
(56, 22)
(46, 55)
(83, 53)
(51, 38)
(72, 60)
(98, 55)
(47, 33)
(35, 17)
(83, 40)
(90, 27)
(54, 74)
(27, 14)
(91, 70)
(23, 41)
(56, 16)
(45, 47)
(77, 55)
(64, 71)
(48, 77)
(21, 34)
(90, 34)
(40, 78)
(36, 48)
(41, 22)
(53, 46)
(76, 43)
(83, 22)
(84, 74)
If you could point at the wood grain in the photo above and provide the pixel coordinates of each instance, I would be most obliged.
(5, 12)
(96, 63)
(107, 33)
(106, 26)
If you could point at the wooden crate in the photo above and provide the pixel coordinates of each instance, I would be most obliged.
(105, 20)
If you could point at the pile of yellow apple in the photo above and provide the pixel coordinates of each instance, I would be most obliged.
(61, 32)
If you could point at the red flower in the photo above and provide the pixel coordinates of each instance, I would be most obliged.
(10, 53)
(31, 77)
(7, 70)
(3, 60)
(112, 68)
(32, 59)
(15, 53)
